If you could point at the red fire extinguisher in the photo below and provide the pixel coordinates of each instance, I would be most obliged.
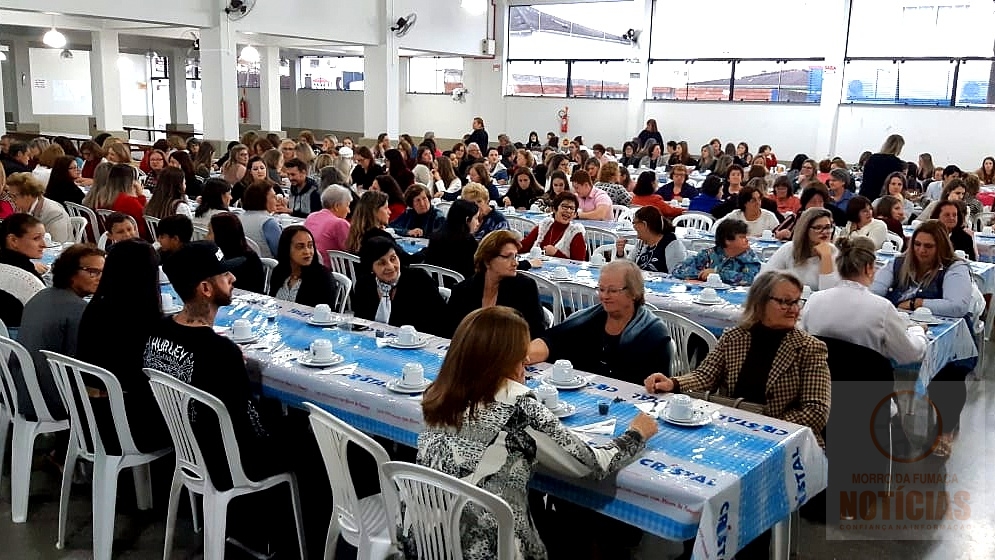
(564, 119)
(243, 108)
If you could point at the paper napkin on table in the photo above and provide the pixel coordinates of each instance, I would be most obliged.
(606, 427)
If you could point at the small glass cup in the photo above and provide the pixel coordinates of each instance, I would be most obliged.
(345, 320)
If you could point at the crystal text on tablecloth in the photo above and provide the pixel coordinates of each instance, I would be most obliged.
(722, 529)
(676, 470)
(756, 427)
(799, 470)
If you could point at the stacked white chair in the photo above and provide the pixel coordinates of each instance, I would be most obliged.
(549, 289)
(577, 296)
(91, 217)
(361, 522)
(433, 505)
(596, 237)
(174, 398)
(343, 290)
(77, 225)
(86, 443)
(25, 429)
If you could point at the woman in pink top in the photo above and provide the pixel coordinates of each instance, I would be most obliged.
(328, 225)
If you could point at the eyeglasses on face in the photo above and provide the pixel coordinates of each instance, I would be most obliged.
(566, 208)
(92, 271)
(822, 229)
(786, 304)
(610, 291)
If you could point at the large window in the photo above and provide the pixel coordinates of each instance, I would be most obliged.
(331, 72)
(571, 50)
(434, 75)
(248, 74)
(786, 81)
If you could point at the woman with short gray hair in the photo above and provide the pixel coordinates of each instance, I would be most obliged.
(329, 225)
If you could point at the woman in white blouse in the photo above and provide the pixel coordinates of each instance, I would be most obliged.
(862, 223)
(851, 312)
(810, 255)
(757, 219)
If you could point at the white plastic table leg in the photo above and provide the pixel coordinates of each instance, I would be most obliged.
(780, 545)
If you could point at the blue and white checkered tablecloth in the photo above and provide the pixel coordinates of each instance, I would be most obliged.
(726, 482)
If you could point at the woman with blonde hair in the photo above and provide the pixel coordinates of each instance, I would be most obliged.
(234, 167)
(46, 160)
(880, 165)
(490, 219)
(926, 167)
(28, 195)
(119, 153)
(169, 197)
(305, 153)
(121, 193)
(369, 218)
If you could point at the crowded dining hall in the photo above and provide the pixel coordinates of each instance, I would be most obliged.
(376, 289)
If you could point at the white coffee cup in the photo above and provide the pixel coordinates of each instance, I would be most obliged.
(48, 239)
(407, 335)
(598, 259)
(888, 246)
(708, 294)
(536, 252)
(767, 234)
(987, 230)
(241, 328)
(561, 272)
(320, 349)
(534, 208)
(322, 313)
(680, 408)
(713, 279)
(548, 395)
(412, 374)
(563, 371)
(167, 301)
(922, 314)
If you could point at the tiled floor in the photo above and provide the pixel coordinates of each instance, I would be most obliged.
(140, 534)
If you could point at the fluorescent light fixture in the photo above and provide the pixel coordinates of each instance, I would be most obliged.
(475, 7)
(54, 39)
(249, 54)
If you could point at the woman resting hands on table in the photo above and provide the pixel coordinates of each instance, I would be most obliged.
(484, 426)
(559, 236)
(731, 258)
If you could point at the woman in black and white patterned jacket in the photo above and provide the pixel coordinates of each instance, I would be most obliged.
(486, 427)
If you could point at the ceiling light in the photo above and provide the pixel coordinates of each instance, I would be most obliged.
(249, 54)
(475, 7)
(54, 39)
(3, 56)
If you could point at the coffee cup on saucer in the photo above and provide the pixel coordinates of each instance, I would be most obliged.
(714, 279)
(167, 301)
(563, 371)
(922, 314)
(407, 335)
(48, 239)
(322, 313)
(241, 328)
(320, 349)
(548, 395)
(709, 294)
(536, 252)
(561, 272)
(767, 235)
(598, 259)
(412, 374)
(680, 408)
(888, 246)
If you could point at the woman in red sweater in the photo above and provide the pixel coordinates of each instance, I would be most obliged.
(559, 236)
(645, 195)
(121, 193)
(395, 198)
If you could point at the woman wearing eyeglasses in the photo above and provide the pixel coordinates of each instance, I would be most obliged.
(810, 255)
(768, 361)
(559, 236)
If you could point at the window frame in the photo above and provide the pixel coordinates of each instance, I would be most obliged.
(733, 62)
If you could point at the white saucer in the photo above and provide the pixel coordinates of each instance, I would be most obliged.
(397, 386)
(328, 323)
(576, 383)
(889, 253)
(722, 286)
(767, 239)
(251, 338)
(563, 410)
(305, 360)
(934, 320)
(172, 310)
(700, 301)
(558, 277)
(395, 343)
(698, 418)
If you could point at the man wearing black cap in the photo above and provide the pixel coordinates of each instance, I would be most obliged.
(186, 347)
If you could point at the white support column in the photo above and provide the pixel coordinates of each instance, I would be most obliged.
(24, 111)
(105, 81)
(381, 85)
(219, 82)
(832, 82)
(3, 109)
(178, 86)
(270, 110)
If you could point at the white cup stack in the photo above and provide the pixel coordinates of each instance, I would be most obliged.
(713, 279)
(407, 335)
(536, 252)
(888, 246)
(709, 294)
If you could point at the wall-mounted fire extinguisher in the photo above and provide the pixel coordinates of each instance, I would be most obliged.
(564, 119)
(243, 108)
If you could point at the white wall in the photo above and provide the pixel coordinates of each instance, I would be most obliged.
(597, 120)
(460, 34)
(438, 113)
(58, 86)
(347, 21)
(952, 136)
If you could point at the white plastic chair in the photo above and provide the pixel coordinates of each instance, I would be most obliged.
(96, 227)
(620, 212)
(102, 214)
(897, 240)
(433, 505)
(520, 225)
(697, 220)
(698, 245)
(343, 290)
(681, 329)
(174, 398)
(77, 227)
(19, 283)
(440, 274)
(361, 522)
(767, 252)
(268, 266)
(577, 296)
(981, 220)
(596, 237)
(152, 223)
(106, 468)
(444, 207)
(446, 293)
(551, 290)
(607, 252)
(252, 245)
(25, 430)
(199, 233)
(343, 263)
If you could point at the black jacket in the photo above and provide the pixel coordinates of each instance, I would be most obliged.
(416, 301)
(517, 292)
(250, 274)
(480, 138)
(364, 178)
(63, 192)
(317, 285)
(878, 167)
(455, 255)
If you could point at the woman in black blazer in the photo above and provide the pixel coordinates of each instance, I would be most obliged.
(496, 282)
(388, 291)
(453, 246)
(299, 275)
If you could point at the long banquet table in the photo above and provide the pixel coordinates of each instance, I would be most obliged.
(726, 482)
